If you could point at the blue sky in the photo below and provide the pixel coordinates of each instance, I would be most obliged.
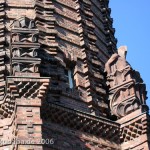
(132, 24)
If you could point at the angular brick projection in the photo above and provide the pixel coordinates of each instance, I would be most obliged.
(63, 84)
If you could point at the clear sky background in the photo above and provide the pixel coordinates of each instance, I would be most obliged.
(132, 24)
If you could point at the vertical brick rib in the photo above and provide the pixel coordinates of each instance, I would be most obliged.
(2, 51)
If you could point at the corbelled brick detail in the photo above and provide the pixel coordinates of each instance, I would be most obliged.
(135, 129)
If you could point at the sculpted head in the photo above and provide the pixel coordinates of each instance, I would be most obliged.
(122, 51)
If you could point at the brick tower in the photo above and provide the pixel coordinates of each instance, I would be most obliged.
(63, 84)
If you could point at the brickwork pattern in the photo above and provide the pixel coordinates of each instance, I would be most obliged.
(39, 41)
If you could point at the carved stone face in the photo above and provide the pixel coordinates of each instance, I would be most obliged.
(122, 51)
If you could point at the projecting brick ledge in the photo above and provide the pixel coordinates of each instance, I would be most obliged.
(84, 122)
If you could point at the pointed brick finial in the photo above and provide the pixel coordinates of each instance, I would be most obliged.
(122, 51)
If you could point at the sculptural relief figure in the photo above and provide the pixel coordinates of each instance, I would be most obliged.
(127, 92)
(117, 67)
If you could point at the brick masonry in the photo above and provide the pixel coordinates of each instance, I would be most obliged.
(41, 40)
